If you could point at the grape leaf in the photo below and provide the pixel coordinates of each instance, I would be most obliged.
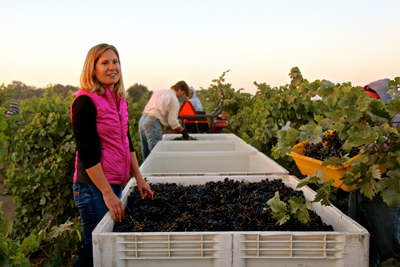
(390, 188)
(362, 102)
(298, 206)
(323, 196)
(326, 88)
(302, 215)
(6, 226)
(375, 171)
(334, 161)
(295, 203)
(279, 209)
(316, 178)
(328, 185)
(358, 136)
(276, 204)
(3, 125)
(366, 186)
(316, 137)
(352, 113)
(30, 244)
(323, 192)
(378, 111)
(280, 217)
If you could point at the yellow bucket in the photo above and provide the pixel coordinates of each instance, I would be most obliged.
(308, 166)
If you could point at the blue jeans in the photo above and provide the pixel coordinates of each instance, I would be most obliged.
(150, 132)
(382, 222)
(92, 209)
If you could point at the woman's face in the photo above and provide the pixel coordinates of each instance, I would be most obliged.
(107, 69)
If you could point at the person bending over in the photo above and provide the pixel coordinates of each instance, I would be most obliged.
(162, 109)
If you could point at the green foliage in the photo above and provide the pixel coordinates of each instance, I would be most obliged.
(237, 105)
(136, 91)
(312, 108)
(18, 91)
(296, 77)
(63, 91)
(5, 93)
(135, 111)
(23, 91)
(234, 101)
(55, 246)
(297, 206)
(324, 188)
(41, 157)
(362, 121)
(5, 225)
(3, 126)
(65, 241)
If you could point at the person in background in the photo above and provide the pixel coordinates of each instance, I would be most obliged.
(105, 156)
(162, 109)
(14, 110)
(195, 100)
(382, 222)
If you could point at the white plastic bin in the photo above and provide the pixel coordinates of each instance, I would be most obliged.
(203, 137)
(346, 246)
(206, 163)
(198, 146)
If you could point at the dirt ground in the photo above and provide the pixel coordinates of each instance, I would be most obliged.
(8, 207)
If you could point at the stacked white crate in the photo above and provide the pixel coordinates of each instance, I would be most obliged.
(214, 157)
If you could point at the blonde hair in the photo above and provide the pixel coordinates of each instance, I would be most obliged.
(88, 78)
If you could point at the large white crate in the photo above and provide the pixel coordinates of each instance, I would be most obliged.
(204, 137)
(201, 146)
(346, 246)
(209, 163)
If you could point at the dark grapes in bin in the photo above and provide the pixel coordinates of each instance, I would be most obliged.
(226, 205)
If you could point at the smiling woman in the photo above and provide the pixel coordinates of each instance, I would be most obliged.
(107, 69)
(102, 69)
(105, 156)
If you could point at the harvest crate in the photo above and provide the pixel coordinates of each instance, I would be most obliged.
(347, 245)
(202, 146)
(209, 163)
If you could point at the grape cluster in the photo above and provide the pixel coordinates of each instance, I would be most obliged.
(331, 146)
(216, 206)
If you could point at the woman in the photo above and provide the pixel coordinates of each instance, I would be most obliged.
(105, 155)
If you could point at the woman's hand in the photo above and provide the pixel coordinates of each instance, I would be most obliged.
(114, 204)
(144, 189)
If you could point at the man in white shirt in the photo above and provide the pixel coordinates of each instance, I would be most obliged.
(162, 109)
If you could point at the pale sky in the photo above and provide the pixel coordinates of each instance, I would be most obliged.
(162, 42)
